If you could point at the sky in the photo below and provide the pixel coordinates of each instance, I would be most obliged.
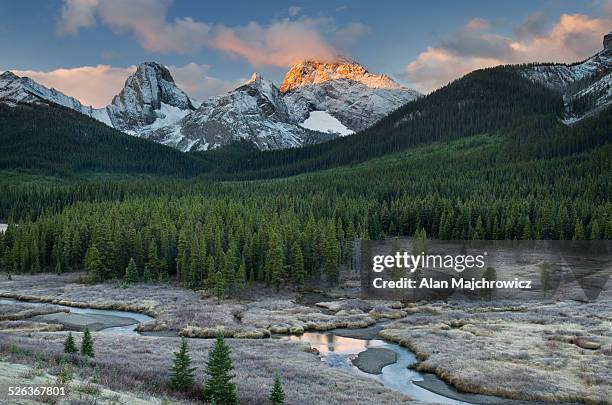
(87, 48)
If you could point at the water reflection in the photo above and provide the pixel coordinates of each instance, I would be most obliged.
(330, 343)
(338, 351)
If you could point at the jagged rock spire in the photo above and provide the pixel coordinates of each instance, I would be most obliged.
(607, 41)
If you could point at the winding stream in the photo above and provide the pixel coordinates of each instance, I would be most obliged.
(337, 352)
(129, 329)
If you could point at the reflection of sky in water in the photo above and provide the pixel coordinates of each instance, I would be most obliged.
(327, 342)
(338, 351)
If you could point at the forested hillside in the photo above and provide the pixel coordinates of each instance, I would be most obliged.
(297, 229)
(59, 141)
(484, 158)
(484, 101)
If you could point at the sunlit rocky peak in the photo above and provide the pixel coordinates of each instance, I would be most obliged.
(313, 72)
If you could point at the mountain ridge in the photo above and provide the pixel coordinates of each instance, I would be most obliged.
(153, 107)
(586, 85)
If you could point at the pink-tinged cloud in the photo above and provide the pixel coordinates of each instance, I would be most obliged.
(76, 14)
(91, 85)
(572, 38)
(280, 43)
(97, 85)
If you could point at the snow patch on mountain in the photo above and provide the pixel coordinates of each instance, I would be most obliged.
(140, 102)
(167, 115)
(319, 102)
(322, 121)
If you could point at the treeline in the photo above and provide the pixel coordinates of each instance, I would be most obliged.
(270, 240)
(222, 235)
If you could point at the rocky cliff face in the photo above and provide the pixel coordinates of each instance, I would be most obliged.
(345, 89)
(312, 73)
(148, 95)
(586, 86)
(607, 41)
(348, 97)
(255, 112)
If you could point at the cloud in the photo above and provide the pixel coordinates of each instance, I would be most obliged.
(534, 25)
(294, 10)
(194, 79)
(97, 85)
(280, 43)
(92, 85)
(350, 33)
(572, 38)
(76, 14)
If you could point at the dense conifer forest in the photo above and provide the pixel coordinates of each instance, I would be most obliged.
(60, 141)
(486, 157)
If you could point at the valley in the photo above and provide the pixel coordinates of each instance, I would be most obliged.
(222, 245)
(523, 341)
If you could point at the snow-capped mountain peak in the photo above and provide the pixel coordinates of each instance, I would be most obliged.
(141, 100)
(311, 72)
(322, 101)
(255, 77)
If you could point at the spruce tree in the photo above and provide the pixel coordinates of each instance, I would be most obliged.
(331, 254)
(131, 273)
(153, 263)
(181, 375)
(87, 344)
(69, 345)
(219, 285)
(274, 260)
(219, 387)
(241, 276)
(277, 395)
(146, 274)
(297, 263)
(93, 264)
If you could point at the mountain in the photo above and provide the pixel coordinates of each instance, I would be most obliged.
(345, 90)
(23, 90)
(586, 86)
(494, 100)
(316, 102)
(255, 112)
(149, 99)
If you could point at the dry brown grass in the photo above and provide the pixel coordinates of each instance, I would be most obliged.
(551, 352)
(195, 314)
(140, 364)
